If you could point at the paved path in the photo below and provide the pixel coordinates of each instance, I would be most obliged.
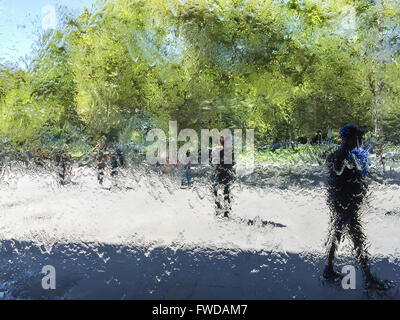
(146, 238)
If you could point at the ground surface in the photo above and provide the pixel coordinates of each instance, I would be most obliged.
(142, 237)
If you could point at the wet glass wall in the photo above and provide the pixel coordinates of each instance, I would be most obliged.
(311, 196)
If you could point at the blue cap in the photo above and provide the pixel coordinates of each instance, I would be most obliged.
(350, 131)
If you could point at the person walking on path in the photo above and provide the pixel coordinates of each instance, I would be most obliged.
(347, 189)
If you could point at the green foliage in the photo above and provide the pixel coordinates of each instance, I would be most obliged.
(284, 68)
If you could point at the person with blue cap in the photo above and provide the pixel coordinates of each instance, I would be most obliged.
(346, 192)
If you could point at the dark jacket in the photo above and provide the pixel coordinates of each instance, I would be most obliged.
(346, 184)
(224, 171)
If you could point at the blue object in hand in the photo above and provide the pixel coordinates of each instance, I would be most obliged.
(361, 156)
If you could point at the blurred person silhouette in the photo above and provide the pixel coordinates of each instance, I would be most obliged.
(117, 160)
(40, 156)
(186, 173)
(63, 162)
(171, 167)
(223, 178)
(347, 189)
(108, 154)
(100, 155)
(174, 169)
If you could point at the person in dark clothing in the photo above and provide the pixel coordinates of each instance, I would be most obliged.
(101, 166)
(64, 163)
(347, 189)
(186, 173)
(100, 158)
(107, 154)
(223, 179)
(117, 160)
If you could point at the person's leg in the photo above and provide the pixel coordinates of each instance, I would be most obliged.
(227, 196)
(188, 177)
(358, 238)
(173, 172)
(63, 174)
(215, 191)
(100, 177)
(114, 166)
(329, 272)
(335, 234)
(182, 174)
(333, 244)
